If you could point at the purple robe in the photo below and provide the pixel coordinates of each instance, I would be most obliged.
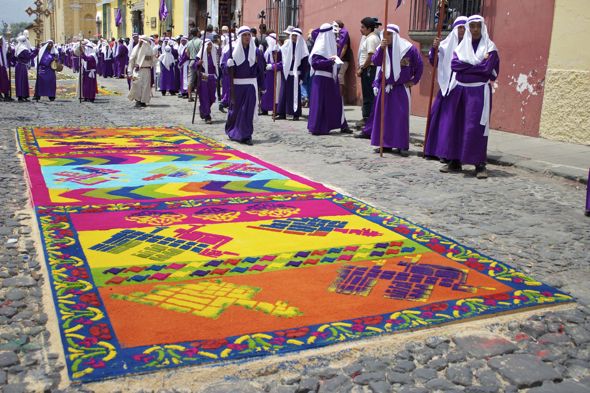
(266, 103)
(325, 110)
(443, 124)
(89, 78)
(4, 82)
(396, 134)
(76, 63)
(471, 144)
(46, 82)
(122, 60)
(588, 195)
(167, 78)
(207, 89)
(21, 72)
(287, 86)
(182, 61)
(225, 81)
(240, 117)
(108, 71)
(176, 71)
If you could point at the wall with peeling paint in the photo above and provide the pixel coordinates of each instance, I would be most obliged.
(521, 30)
(566, 106)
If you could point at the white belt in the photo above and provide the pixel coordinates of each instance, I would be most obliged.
(487, 101)
(324, 73)
(91, 73)
(293, 73)
(253, 82)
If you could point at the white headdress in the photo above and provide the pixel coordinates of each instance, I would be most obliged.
(301, 52)
(465, 51)
(325, 46)
(3, 60)
(166, 58)
(399, 48)
(239, 54)
(213, 55)
(446, 77)
(273, 46)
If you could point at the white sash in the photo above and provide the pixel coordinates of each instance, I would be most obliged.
(487, 96)
(253, 82)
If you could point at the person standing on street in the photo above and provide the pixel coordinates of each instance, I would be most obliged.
(366, 69)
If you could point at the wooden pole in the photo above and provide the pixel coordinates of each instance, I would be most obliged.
(441, 17)
(382, 92)
(231, 69)
(80, 67)
(198, 82)
(275, 57)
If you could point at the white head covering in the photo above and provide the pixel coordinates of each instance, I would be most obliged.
(208, 42)
(226, 42)
(273, 46)
(44, 49)
(21, 45)
(399, 48)
(106, 50)
(465, 51)
(446, 77)
(301, 52)
(3, 60)
(325, 46)
(166, 58)
(239, 54)
(142, 51)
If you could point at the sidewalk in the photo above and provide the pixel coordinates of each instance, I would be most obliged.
(554, 158)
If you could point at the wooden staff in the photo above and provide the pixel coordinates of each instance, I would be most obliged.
(275, 56)
(441, 17)
(9, 55)
(382, 103)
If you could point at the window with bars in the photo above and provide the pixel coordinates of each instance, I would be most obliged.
(288, 14)
(424, 17)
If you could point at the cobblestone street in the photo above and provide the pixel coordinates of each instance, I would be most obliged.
(529, 220)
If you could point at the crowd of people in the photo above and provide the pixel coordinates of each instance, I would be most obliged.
(250, 76)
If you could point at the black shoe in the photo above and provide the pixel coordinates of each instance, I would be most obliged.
(20, 99)
(385, 150)
(36, 98)
(191, 99)
(362, 135)
(452, 166)
(295, 118)
(52, 99)
(141, 104)
(264, 113)
(208, 120)
(247, 142)
(404, 153)
(164, 93)
(481, 172)
(222, 109)
(281, 117)
(8, 99)
(346, 131)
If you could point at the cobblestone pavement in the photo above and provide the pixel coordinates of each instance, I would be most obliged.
(528, 220)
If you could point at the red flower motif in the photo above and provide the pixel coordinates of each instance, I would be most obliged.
(435, 307)
(191, 352)
(278, 341)
(475, 265)
(518, 280)
(91, 299)
(427, 314)
(210, 344)
(372, 320)
(358, 327)
(237, 347)
(404, 230)
(95, 363)
(101, 331)
(320, 334)
(88, 342)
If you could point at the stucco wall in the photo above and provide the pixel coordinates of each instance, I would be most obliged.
(565, 115)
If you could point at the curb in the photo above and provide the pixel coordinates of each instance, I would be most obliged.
(546, 168)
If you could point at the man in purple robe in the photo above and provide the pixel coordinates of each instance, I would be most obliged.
(46, 82)
(247, 65)
(272, 57)
(107, 52)
(23, 55)
(225, 78)
(207, 63)
(444, 110)
(100, 56)
(89, 63)
(122, 57)
(326, 110)
(476, 63)
(167, 82)
(344, 53)
(295, 67)
(5, 58)
(403, 68)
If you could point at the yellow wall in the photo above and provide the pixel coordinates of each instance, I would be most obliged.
(565, 115)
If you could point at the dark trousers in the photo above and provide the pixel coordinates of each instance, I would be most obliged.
(367, 78)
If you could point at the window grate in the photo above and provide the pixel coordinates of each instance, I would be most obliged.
(288, 13)
(424, 18)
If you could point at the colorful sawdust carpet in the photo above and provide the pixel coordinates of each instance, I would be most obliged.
(166, 248)
(68, 89)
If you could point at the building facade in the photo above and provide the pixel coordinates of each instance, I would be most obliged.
(69, 19)
(544, 77)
